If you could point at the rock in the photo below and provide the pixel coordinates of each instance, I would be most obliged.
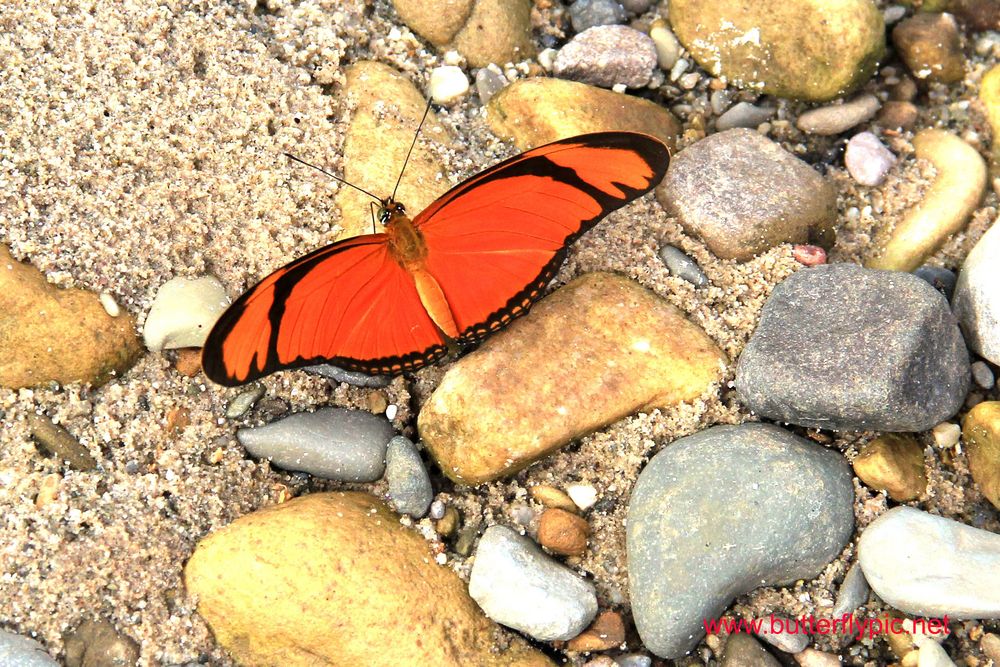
(404, 608)
(989, 94)
(586, 14)
(990, 644)
(930, 45)
(594, 351)
(930, 566)
(834, 343)
(187, 361)
(744, 114)
(898, 115)
(813, 658)
(98, 644)
(686, 563)
(183, 313)
(977, 300)
(742, 650)
(60, 443)
(939, 278)
(584, 496)
(981, 433)
(519, 586)
(976, 15)
(778, 633)
(634, 660)
(353, 378)
(946, 434)
(563, 532)
(606, 632)
(243, 401)
(18, 651)
(488, 84)
(63, 335)
(982, 375)
(894, 463)
(448, 84)
(668, 49)
(410, 490)
(536, 111)
(333, 443)
(484, 31)
(837, 118)
(853, 592)
(932, 655)
(809, 255)
(867, 159)
(552, 497)
(682, 266)
(780, 48)
(742, 194)
(608, 55)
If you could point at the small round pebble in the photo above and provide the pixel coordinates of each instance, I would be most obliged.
(183, 313)
(668, 49)
(634, 660)
(813, 658)
(410, 490)
(448, 84)
(744, 114)
(437, 510)
(982, 375)
(489, 83)
(245, 400)
(809, 255)
(584, 495)
(898, 115)
(563, 532)
(682, 266)
(637, 6)
(110, 305)
(867, 159)
(585, 14)
(18, 651)
(608, 55)
(837, 118)
(946, 434)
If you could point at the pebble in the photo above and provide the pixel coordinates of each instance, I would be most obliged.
(587, 355)
(809, 255)
(353, 378)
(940, 279)
(606, 632)
(410, 490)
(983, 375)
(488, 84)
(304, 562)
(781, 638)
(99, 644)
(989, 95)
(931, 654)
(930, 566)
(977, 299)
(743, 194)
(517, 585)
(682, 266)
(742, 650)
(898, 115)
(853, 592)
(837, 118)
(990, 644)
(634, 660)
(637, 6)
(333, 443)
(977, 15)
(110, 305)
(608, 55)
(586, 14)
(981, 433)
(946, 435)
(744, 114)
(867, 159)
(243, 401)
(931, 46)
(183, 313)
(18, 651)
(893, 13)
(668, 49)
(563, 532)
(437, 510)
(833, 339)
(583, 496)
(813, 658)
(895, 463)
(686, 563)
(60, 443)
(448, 84)
(550, 496)
(779, 48)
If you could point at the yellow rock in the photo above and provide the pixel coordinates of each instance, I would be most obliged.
(597, 350)
(385, 118)
(536, 111)
(484, 31)
(895, 463)
(65, 335)
(981, 433)
(989, 93)
(333, 579)
(951, 200)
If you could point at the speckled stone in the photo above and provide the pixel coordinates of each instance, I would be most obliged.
(608, 55)
(930, 45)
(837, 118)
(18, 651)
(687, 560)
(410, 490)
(846, 348)
(867, 159)
(586, 14)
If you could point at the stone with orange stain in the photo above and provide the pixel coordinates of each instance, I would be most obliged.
(606, 632)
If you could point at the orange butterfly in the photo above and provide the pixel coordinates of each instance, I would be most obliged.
(474, 260)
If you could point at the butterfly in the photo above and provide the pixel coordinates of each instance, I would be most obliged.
(467, 265)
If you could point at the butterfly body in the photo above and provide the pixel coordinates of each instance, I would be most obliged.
(469, 264)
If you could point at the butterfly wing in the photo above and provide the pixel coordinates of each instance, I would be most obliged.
(496, 240)
(349, 304)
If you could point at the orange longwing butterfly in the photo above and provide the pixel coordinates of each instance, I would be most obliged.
(474, 260)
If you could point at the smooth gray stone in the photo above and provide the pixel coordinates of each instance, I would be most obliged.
(243, 401)
(722, 512)
(742, 650)
(853, 592)
(846, 348)
(983, 375)
(334, 443)
(930, 566)
(18, 651)
(977, 296)
(353, 378)
(410, 490)
(633, 660)
(744, 114)
(517, 585)
(682, 266)
(585, 14)
(940, 279)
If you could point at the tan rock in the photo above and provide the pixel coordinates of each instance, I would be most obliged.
(62, 335)
(563, 532)
(484, 31)
(742, 650)
(597, 350)
(550, 496)
(98, 644)
(537, 111)
(385, 118)
(945, 210)
(989, 93)
(188, 361)
(334, 580)
(606, 632)
(981, 433)
(930, 46)
(895, 463)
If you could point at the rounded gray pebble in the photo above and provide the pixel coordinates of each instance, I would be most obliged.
(437, 510)
(633, 660)
(783, 639)
(982, 375)
(333, 443)
(410, 490)
(608, 55)
(488, 84)
(853, 592)
(519, 586)
(584, 14)
(18, 651)
(867, 159)
(744, 114)
(837, 118)
(940, 278)
(682, 266)
(245, 400)
(352, 378)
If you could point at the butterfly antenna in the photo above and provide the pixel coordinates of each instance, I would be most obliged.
(414, 143)
(337, 178)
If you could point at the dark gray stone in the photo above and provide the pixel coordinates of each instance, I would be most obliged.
(410, 490)
(846, 348)
(853, 592)
(939, 278)
(585, 14)
(719, 513)
(682, 266)
(18, 651)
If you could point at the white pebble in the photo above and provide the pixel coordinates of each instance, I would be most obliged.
(946, 434)
(110, 306)
(932, 655)
(183, 313)
(893, 13)
(678, 69)
(867, 159)
(547, 59)
(584, 495)
(448, 84)
(390, 411)
(667, 46)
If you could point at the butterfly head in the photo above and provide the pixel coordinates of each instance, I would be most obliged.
(389, 209)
